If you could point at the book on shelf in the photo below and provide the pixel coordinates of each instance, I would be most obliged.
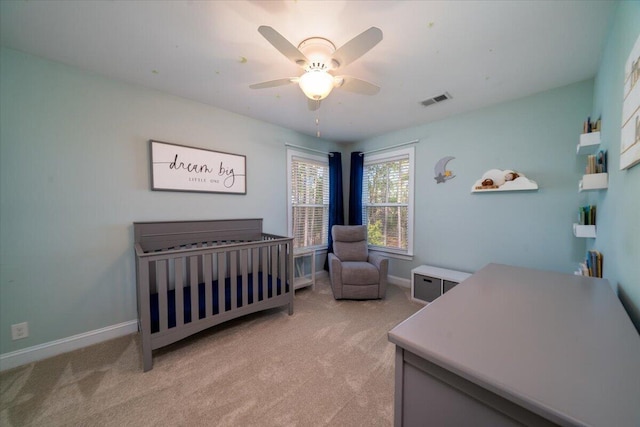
(597, 163)
(592, 266)
(587, 215)
(589, 126)
(601, 161)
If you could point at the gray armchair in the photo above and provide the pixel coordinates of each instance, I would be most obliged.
(353, 272)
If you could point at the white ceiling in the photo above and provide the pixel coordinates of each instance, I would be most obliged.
(481, 52)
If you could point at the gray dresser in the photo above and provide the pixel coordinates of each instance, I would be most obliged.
(513, 346)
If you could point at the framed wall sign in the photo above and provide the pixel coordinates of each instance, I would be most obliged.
(180, 168)
(630, 132)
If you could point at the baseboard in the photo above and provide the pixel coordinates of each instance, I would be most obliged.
(54, 348)
(399, 281)
(322, 273)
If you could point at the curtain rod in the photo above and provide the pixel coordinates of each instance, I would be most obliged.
(308, 149)
(362, 154)
(389, 148)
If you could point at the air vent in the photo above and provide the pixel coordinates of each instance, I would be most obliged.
(436, 99)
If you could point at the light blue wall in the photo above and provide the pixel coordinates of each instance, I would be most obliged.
(74, 176)
(537, 136)
(618, 207)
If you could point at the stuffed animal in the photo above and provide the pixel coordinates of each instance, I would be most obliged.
(511, 175)
(493, 178)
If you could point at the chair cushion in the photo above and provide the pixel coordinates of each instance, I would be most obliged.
(349, 233)
(351, 251)
(359, 273)
(350, 242)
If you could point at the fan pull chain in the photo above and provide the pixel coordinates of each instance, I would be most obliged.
(318, 123)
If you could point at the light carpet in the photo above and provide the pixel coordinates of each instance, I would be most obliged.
(330, 363)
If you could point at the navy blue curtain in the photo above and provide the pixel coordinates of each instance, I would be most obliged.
(336, 205)
(355, 188)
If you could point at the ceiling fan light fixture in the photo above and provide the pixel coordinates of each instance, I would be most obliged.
(316, 84)
(318, 57)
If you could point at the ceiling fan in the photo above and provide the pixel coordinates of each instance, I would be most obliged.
(319, 57)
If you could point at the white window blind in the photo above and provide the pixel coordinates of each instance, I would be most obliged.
(387, 197)
(309, 200)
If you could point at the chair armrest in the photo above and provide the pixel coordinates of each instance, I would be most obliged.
(335, 274)
(379, 261)
(382, 264)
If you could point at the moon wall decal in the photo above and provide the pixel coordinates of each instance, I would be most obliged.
(442, 175)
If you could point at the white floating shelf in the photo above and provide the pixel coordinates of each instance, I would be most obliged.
(594, 181)
(587, 231)
(589, 143)
(522, 183)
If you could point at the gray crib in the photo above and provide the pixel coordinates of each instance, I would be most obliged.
(192, 275)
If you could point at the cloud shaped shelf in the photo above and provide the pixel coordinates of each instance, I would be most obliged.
(521, 183)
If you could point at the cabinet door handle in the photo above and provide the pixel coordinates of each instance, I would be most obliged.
(427, 280)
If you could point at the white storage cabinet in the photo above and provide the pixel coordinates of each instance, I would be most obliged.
(428, 282)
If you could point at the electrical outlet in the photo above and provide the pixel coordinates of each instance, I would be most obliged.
(19, 330)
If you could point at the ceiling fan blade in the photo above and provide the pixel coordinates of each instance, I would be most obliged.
(357, 46)
(351, 84)
(313, 104)
(283, 45)
(274, 83)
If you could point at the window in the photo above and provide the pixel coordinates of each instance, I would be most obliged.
(308, 200)
(387, 201)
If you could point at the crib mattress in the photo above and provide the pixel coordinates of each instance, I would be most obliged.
(171, 299)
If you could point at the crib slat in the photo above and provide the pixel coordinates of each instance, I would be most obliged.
(245, 278)
(222, 263)
(274, 268)
(289, 275)
(265, 271)
(193, 283)
(208, 283)
(161, 277)
(179, 281)
(233, 278)
(282, 269)
(145, 313)
(255, 263)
